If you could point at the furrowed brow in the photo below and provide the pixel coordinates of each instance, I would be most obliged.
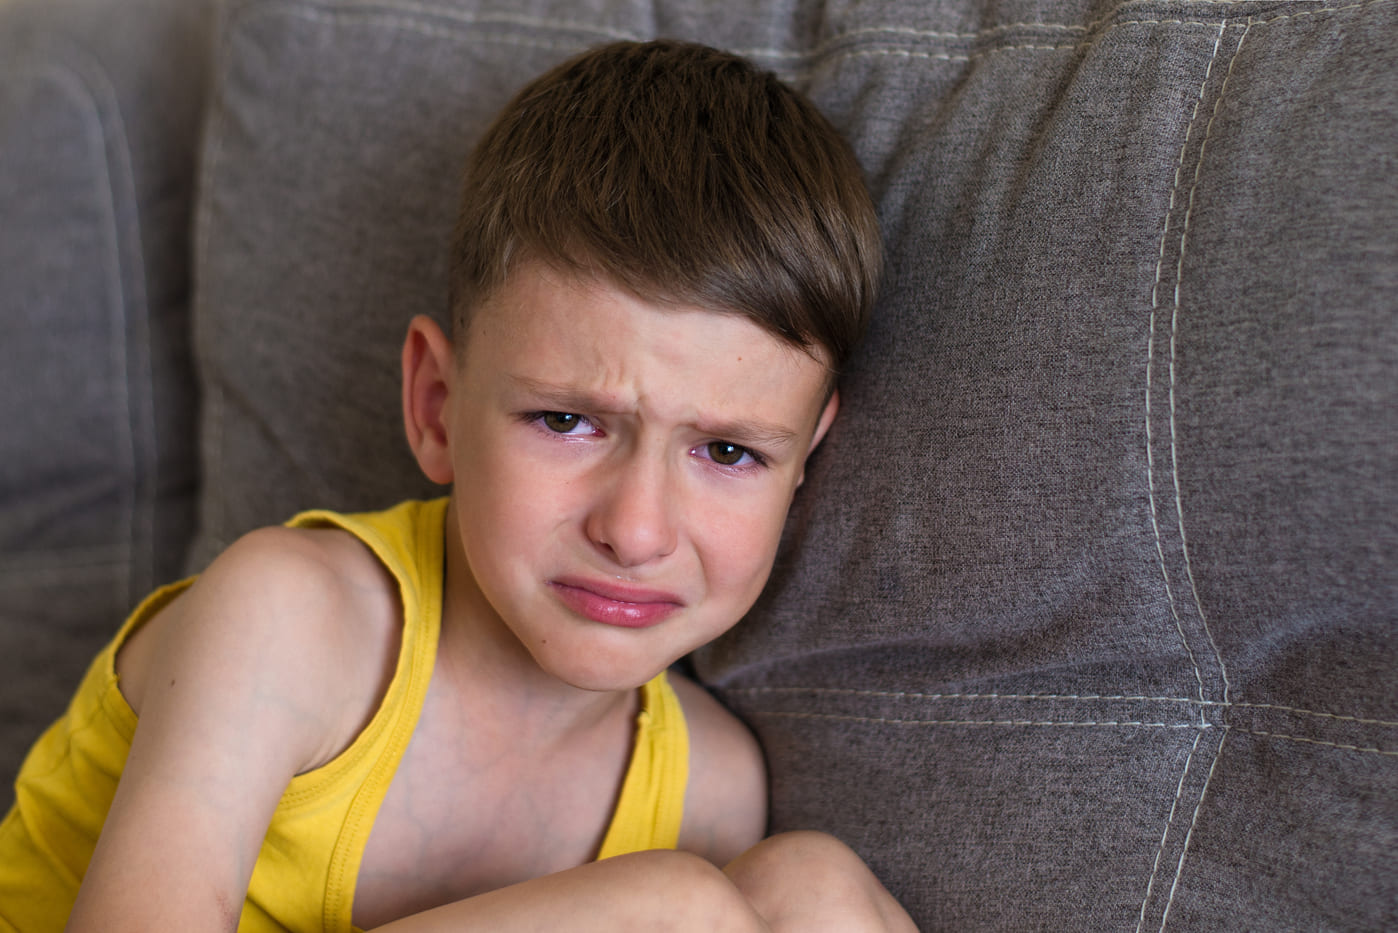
(757, 434)
(563, 398)
(745, 432)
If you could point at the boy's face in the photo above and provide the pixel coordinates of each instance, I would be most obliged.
(622, 470)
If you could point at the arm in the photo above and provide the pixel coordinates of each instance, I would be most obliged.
(792, 883)
(725, 805)
(238, 688)
(803, 882)
(725, 811)
(655, 890)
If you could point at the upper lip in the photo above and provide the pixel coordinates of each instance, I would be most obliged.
(620, 591)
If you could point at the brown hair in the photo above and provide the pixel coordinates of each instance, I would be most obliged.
(685, 175)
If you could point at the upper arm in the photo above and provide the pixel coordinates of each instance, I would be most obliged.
(725, 809)
(237, 690)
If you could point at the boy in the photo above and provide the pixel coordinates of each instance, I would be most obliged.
(455, 714)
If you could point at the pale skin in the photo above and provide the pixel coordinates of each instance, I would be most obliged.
(612, 461)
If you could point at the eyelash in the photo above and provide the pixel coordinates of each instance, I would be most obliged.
(757, 459)
(540, 418)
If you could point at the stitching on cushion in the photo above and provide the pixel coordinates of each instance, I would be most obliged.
(1319, 12)
(406, 8)
(1308, 741)
(1150, 480)
(399, 11)
(1150, 366)
(1164, 836)
(412, 16)
(407, 16)
(1074, 724)
(1091, 697)
(440, 32)
(1189, 836)
(1174, 334)
(1174, 454)
(1087, 39)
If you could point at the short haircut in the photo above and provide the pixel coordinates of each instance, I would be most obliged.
(684, 175)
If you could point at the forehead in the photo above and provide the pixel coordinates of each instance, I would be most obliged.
(546, 326)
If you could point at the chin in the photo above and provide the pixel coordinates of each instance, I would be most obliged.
(605, 682)
(603, 672)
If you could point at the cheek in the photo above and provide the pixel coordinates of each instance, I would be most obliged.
(737, 550)
(507, 507)
(518, 510)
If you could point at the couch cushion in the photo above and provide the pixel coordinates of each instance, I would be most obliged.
(1084, 618)
(97, 449)
(1109, 638)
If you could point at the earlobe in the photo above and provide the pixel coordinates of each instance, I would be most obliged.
(428, 367)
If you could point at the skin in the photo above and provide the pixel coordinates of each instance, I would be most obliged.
(621, 474)
(628, 511)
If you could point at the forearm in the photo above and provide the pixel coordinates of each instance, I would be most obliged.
(657, 890)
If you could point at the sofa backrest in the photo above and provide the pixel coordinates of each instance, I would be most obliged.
(1083, 610)
(100, 109)
(1084, 617)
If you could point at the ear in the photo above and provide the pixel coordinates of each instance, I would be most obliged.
(429, 363)
(827, 418)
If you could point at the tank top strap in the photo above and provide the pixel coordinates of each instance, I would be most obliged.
(408, 540)
(650, 808)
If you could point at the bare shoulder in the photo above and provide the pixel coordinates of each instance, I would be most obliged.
(267, 666)
(312, 611)
(726, 802)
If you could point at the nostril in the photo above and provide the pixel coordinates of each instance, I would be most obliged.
(633, 528)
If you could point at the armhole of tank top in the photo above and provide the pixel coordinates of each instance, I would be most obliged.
(417, 658)
(113, 700)
(304, 788)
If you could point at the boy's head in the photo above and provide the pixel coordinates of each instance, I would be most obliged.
(664, 256)
(684, 175)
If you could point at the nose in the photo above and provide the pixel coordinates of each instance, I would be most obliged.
(633, 517)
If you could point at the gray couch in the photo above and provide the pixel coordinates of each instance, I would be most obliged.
(1086, 617)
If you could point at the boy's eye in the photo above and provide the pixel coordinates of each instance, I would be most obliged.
(725, 454)
(562, 422)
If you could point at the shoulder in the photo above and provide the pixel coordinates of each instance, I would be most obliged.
(726, 800)
(264, 668)
(310, 612)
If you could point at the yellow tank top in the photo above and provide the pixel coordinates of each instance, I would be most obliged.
(305, 876)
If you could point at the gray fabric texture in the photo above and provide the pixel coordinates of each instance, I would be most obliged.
(1110, 639)
(1085, 616)
(99, 114)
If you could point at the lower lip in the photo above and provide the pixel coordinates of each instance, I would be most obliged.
(616, 612)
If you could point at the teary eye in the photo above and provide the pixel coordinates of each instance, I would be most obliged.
(562, 422)
(725, 454)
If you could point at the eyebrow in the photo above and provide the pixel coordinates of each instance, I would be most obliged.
(742, 431)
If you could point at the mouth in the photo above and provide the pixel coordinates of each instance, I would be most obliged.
(616, 604)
